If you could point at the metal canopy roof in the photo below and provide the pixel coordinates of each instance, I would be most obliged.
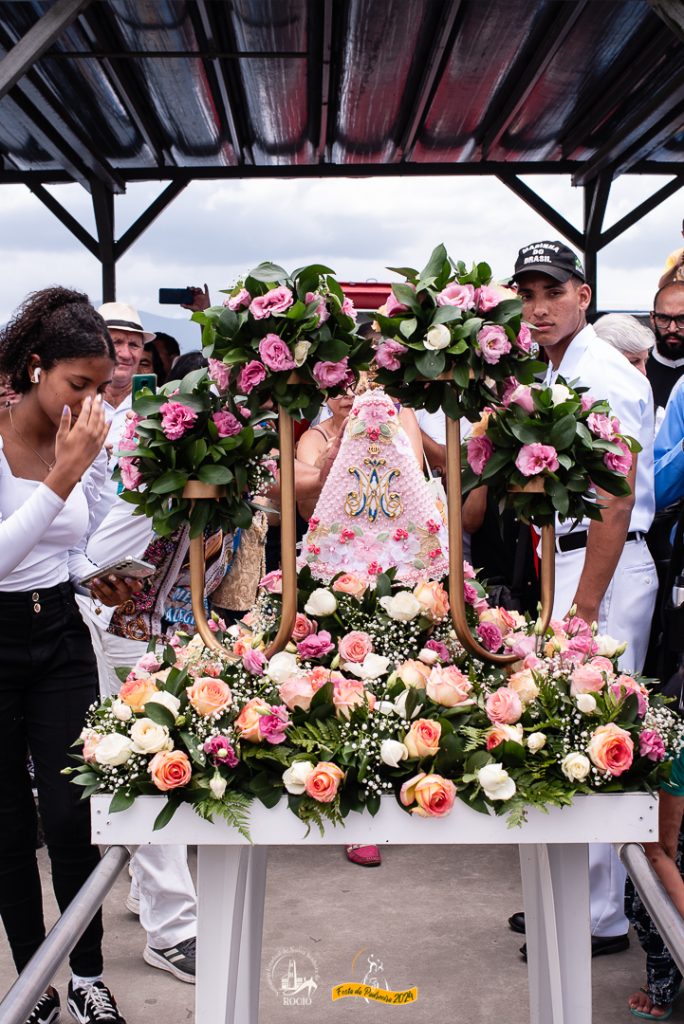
(114, 91)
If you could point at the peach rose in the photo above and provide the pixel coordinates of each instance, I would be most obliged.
(209, 696)
(505, 620)
(91, 740)
(355, 646)
(414, 673)
(524, 685)
(500, 733)
(350, 584)
(611, 749)
(503, 706)
(241, 645)
(349, 694)
(136, 692)
(586, 679)
(479, 429)
(433, 598)
(422, 739)
(407, 793)
(303, 627)
(247, 722)
(449, 687)
(170, 769)
(434, 795)
(297, 692)
(324, 781)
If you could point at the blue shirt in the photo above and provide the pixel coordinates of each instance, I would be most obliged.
(669, 454)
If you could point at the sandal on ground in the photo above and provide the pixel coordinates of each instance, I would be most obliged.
(366, 856)
(647, 1015)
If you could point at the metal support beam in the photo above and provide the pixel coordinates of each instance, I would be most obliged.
(652, 141)
(63, 215)
(672, 13)
(641, 210)
(148, 216)
(543, 208)
(662, 911)
(37, 40)
(103, 207)
(596, 195)
(326, 74)
(217, 78)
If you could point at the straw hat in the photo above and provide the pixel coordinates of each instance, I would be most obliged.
(122, 316)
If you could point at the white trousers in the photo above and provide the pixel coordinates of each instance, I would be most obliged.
(625, 614)
(160, 876)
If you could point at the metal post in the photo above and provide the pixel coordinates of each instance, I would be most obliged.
(664, 914)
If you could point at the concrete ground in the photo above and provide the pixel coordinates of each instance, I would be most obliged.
(431, 917)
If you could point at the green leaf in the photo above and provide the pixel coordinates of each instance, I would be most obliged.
(209, 474)
(383, 585)
(149, 406)
(408, 272)
(160, 714)
(434, 265)
(563, 432)
(431, 364)
(267, 273)
(445, 315)
(407, 327)
(172, 480)
(191, 380)
(121, 801)
(166, 814)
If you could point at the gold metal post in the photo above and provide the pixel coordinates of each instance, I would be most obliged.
(288, 534)
(195, 489)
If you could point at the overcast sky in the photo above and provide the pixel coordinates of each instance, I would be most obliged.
(216, 231)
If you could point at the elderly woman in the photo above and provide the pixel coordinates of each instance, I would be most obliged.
(627, 335)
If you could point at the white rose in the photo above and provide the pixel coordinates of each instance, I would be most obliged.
(392, 752)
(536, 741)
(607, 647)
(439, 336)
(496, 782)
(384, 707)
(113, 749)
(321, 602)
(559, 394)
(281, 666)
(576, 766)
(167, 700)
(295, 778)
(148, 737)
(403, 607)
(400, 705)
(301, 351)
(427, 656)
(217, 785)
(121, 711)
(374, 666)
(586, 703)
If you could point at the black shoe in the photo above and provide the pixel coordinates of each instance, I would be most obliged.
(516, 922)
(179, 960)
(46, 1010)
(93, 1005)
(600, 945)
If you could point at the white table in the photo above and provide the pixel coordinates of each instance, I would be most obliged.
(232, 878)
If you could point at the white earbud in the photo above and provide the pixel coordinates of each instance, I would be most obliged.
(36, 375)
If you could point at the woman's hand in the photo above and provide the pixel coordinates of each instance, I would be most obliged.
(112, 590)
(77, 446)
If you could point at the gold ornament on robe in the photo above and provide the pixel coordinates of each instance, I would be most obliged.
(373, 495)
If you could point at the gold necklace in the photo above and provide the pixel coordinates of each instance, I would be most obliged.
(50, 465)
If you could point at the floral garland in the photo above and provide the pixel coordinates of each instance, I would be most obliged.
(189, 432)
(558, 436)
(451, 339)
(375, 696)
(287, 337)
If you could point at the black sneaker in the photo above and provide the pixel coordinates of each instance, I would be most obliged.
(93, 1005)
(46, 1010)
(179, 960)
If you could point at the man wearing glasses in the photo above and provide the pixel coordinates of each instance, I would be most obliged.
(668, 323)
(666, 362)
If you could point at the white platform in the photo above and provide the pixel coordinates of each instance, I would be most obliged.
(232, 876)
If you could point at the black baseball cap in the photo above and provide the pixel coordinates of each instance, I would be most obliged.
(552, 258)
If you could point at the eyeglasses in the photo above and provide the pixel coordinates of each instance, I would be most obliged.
(664, 320)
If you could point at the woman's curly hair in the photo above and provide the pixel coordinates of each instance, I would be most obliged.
(54, 324)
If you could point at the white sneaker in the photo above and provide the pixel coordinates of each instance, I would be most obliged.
(133, 904)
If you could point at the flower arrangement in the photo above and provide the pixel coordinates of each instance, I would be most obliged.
(451, 339)
(188, 431)
(558, 436)
(287, 337)
(375, 696)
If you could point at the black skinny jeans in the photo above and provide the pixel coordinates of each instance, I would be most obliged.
(48, 679)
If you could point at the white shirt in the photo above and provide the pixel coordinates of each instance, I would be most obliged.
(433, 424)
(593, 363)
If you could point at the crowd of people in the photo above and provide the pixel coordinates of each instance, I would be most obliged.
(67, 372)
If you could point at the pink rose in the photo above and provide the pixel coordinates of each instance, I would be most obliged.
(600, 425)
(490, 295)
(522, 396)
(254, 661)
(177, 419)
(386, 354)
(586, 679)
(349, 694)
(524, 339)
(297, 692)
(533, 459)
(131, 477)
(226, 424)
(604, 665)
(329, 375)
(349, 309)
(128, 441)
(317, 645)
(321, 309)
(651, 745)
(493, 343)
(278, 300)
(272, 582)
(393, 306)
(275, 354)
(440, 649)
(462, 296)
(248, 721)
(504, 706)
(470, 593)
(624, 686)
(434, 796)
(324, 782)
(350, 584)
(91, 741)
(611, 749)
(422, 739)
(449, 687)
(479, 451)
(619, 463)
(355, 646)
(490, 635)
(219, 373)
(239, 301)
(303, 627)
(250, 375)
(273, 725)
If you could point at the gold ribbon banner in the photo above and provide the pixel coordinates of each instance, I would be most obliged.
(378, 995)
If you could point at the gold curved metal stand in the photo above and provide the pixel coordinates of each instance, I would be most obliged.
(195, 489)
(288, 534)
(456, 578)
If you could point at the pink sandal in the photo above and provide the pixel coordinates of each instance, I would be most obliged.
(366, 856)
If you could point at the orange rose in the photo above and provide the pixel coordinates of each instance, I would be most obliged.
(348, 583)
(170, 769)
(247, 722)
(433, 598)
(611, 749)
(480, 428)
(422, 739)
(208, 696)
(136, 692)
(434, 795)
(324, 782)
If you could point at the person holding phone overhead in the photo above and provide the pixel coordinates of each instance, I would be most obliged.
(59, 357)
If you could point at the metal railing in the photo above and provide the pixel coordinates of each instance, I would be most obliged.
(39, 971)
(662, 911)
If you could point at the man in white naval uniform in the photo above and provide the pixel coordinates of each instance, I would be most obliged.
(603, 568)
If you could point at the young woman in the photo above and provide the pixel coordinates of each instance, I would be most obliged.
(59, 357)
